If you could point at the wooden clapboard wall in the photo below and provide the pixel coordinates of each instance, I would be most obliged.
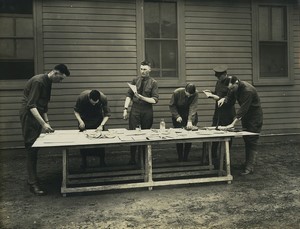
(219, 32)
(97, 39)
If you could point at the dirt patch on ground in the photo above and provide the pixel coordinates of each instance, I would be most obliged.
(267, 199)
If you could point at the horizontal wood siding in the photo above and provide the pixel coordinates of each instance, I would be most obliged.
(97, 39)
(219, 32)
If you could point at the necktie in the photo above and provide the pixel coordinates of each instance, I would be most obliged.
(140, 91)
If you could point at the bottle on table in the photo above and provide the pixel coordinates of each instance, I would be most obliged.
(162, 124)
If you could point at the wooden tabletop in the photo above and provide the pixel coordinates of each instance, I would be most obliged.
(72, 138)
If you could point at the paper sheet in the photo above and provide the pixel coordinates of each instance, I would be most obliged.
(133, 87)
(207, 93)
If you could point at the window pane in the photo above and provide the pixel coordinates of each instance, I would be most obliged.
(169, 54)
(7, 27)
(169, 74)
(16, 69)
(153, 53)
(155, 73)
(24, 27)
(25, 49)
(273, 59)
(151, 17)
(7, 48)
(16, 6)
(278, 24)
(168, 20)
(264, 23)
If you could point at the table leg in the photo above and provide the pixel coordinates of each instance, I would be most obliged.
(65, 171)
(221, 150)
(148, 171)
(227, 155)
(209, 145)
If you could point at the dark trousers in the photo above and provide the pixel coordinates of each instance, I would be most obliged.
(92, 152)
(252, 122)
(92, 124)
(142, 116)
(31, 129)
(251, 143)
(183, 150)
(31, 163)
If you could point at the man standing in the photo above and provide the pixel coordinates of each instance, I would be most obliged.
(225, 114)
(250, 113)
(92, 112)
(141, 113)
(183, 107)
(34, 118)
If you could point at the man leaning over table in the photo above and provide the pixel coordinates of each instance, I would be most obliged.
(92, 112)
(141, 113)
(183, 107)
(34, 118)
(225, 114)
(251, 115)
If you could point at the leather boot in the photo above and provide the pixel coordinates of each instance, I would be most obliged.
(36, 190)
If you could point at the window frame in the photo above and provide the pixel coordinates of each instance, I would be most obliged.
(18, 84)
(163, 82)
(257, 80)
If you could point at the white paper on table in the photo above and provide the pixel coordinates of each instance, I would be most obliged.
(139, 138)
(125, 138)
(132, 87)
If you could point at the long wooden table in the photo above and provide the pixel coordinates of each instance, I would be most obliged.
(146, 175)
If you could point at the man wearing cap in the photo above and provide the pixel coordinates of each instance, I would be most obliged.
(34, 118)
(251, 115)
(225, 114)
(92, 112)
(183, 107)
(141, 114)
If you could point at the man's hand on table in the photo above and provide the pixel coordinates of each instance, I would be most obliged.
(48, 128)
(228, 127)
(179, 119)
(81, 126)
(189, 125)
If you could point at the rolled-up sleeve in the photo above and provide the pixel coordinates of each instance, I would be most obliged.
(34, 95)
(154, 91)
(77, 106)
(173, 106)
(106, 109)
(245, 102)
(193, 106)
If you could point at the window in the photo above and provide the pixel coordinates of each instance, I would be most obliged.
(16, 39)
(272, 45)
(163, 39)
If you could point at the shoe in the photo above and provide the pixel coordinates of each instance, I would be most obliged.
(247, 172)
(36, 190)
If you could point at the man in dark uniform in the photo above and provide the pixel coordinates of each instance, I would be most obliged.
(183, 107)
(225, 114)
(92, 112)
(250, 113)
(141, 113)
(34, 118)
